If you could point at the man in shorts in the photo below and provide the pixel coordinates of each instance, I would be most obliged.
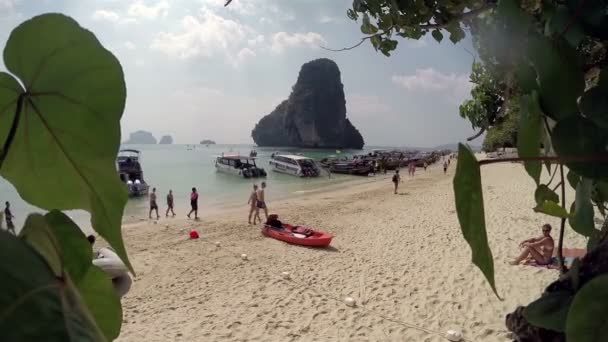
(153, 205)
(194, 204)
(396, 180)
(261, 203)
(170, 204)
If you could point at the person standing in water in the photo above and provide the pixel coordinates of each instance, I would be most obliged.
(194, 204)
(253, 202)
(170, 204)
(396, 180)
(8, 216)
(261, 204)
(153, 205)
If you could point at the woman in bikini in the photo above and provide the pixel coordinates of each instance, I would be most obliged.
(540, 248)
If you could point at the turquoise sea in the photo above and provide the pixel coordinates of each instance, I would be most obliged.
(181, 167)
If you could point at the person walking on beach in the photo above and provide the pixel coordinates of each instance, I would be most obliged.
(170, 204)
(424, 165)
(261, 204)
(445, 167)
(253, 202)
(8, 216)
(396, 180)
(194, 204)
(153, 205)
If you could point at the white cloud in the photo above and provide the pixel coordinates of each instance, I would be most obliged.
(327, 19)
(283, 40)
(103, 15)
(206, 36)
(8, 4)
(456, 86)
(141, 10)
(130, 45)
(244, 54)
(256, 41)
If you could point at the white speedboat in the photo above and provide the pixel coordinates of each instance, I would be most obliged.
(294, 165)
(131, 172)
(238, 165)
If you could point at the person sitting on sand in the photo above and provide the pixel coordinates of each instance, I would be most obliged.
(540, 248)
(253, 201)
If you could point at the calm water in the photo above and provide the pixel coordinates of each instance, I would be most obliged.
(181, 167)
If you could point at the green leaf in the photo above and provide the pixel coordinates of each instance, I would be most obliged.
(543, 193)
(36, 305)
(561, 24)
(367, 27)
(456, 32)
(76, 250)
(73, 100)
(437, 35)
(529, 134)
(581, 218)
(587, 315)
(552, 209)
(469, 206)
(576, 137)
(102, 300)
(38, 235)
(526, 77)
(573, 179)
(561, 79)
(386, 22)
(376, 41)
(594, 104)
(549, 311)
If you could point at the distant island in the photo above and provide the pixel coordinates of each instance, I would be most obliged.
(314, 115)
(140, 137)
(207, 142)
(166, 140)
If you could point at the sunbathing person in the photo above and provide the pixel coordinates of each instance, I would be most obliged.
(540, 249)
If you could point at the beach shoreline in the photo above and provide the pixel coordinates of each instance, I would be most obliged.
(401, 257)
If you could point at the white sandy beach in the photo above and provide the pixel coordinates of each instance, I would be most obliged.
(402, 257)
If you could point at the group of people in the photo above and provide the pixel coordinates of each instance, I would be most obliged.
(170, 203)
(256, 202)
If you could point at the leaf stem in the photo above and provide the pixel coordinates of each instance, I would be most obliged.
(11, 134)
(553, 176)
(560, 244)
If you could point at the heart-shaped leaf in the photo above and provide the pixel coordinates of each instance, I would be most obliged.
(543, 193)
(102, 300)
(578, 137)
(65, 134)
(36, 305)
(551, 208)
(581, 218)
(549, 311)
(587, 317)
(529, 134)
(469, 206)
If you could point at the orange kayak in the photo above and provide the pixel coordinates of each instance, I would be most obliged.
(298, 235)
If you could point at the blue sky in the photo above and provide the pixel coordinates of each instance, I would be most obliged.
(196, 70)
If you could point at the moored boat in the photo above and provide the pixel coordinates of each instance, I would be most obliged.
(131, 173)
(294, 165)
(238, 165)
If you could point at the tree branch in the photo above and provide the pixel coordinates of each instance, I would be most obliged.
(467, 15)
(481, 131)
(359, 43)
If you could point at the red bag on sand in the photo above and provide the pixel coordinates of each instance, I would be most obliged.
(193, 234)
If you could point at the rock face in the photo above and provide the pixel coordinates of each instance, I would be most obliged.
(141, 137)
(166, 140)
(314, 115)
(207, 142)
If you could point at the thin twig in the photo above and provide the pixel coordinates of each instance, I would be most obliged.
(560, 244)
(426, 27)
(552, 176)
(557, 186)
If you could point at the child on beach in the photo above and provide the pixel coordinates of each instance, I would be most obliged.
(8, 216)
(194, 204)
(253, 201)
(170, 204)
(153, 205)
(396, 180)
